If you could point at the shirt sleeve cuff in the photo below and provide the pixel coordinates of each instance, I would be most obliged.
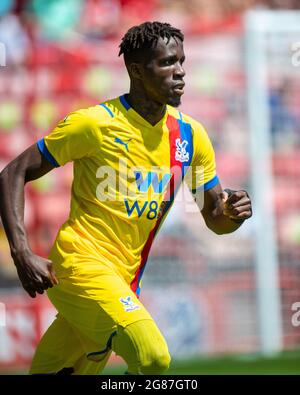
(45, 152)
(208, 185)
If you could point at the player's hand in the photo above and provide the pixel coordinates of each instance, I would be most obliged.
(35, 273)
(236, 205)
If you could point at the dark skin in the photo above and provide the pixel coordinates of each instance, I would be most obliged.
(156, 80)
(35, 273)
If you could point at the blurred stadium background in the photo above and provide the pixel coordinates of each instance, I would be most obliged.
(220, 306)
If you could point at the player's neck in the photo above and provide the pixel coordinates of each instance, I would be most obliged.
(150, 110)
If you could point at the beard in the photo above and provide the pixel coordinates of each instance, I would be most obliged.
(174, 101)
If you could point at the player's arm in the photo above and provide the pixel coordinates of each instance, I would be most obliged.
(224, 211)
(35, 273)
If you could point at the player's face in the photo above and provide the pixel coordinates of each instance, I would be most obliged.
(163, 72)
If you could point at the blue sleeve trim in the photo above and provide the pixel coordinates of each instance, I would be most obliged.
(45, 152)
(107, 109)
(124, 102)
(208, 185)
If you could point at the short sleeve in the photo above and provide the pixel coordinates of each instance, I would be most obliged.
(203, 166)
(75, 137)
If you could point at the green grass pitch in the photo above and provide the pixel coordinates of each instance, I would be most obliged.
(285, 363)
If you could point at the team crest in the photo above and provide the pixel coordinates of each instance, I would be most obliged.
(128, 304)
(181, 155)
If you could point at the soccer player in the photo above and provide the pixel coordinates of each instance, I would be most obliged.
(126, 154)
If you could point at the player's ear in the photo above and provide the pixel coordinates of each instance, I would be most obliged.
(135, 70)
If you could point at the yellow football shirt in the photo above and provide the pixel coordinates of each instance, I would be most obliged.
(126, 175)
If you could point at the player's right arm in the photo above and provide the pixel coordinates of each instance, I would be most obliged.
(77, 136)
(35, 273)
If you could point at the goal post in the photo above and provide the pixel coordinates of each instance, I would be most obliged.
(259, 27)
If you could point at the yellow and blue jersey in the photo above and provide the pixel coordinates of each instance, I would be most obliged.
(126, 175)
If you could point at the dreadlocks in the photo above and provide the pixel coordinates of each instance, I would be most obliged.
(145, 36)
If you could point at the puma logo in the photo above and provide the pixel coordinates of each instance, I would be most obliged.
(117, 140)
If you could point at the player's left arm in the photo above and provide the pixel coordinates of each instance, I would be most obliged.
(224, 211)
